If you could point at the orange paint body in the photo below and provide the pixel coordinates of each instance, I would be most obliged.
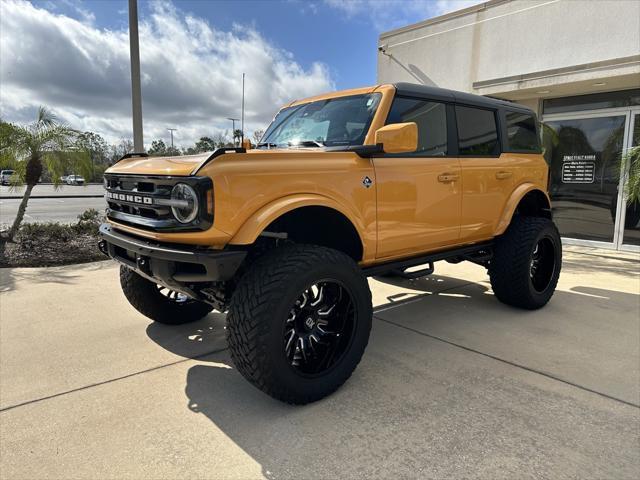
(415, 204)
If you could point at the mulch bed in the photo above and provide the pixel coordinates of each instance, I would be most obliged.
(45, 252)
(51, 244)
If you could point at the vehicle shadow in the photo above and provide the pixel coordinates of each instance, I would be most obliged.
(67, 274)
(420, 406)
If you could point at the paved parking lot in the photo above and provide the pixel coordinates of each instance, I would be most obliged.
(453, 384)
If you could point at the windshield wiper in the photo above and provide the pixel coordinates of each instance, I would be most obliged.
(306, 143)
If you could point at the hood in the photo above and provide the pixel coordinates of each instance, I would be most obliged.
(183, 165)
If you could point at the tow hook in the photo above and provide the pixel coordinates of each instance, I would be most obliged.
(102, 246)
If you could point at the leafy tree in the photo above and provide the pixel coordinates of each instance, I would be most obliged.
(172, 151)
(97, 148)
(117, 151)
(257, 135)
(221, 139)
(46, 144)
(205, 144)
(158, 148)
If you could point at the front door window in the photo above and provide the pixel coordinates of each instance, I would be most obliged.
(584, 161)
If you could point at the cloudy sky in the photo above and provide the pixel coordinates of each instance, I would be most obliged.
(73, 56)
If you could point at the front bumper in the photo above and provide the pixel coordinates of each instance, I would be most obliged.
(174, 267)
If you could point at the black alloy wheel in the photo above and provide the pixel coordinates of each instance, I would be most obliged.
(319, 328)
(543, 264)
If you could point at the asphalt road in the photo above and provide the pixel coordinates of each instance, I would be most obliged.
(453, 384)
(50, 190)
(49, 209)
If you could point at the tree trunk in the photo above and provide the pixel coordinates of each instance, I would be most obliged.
(20, 215)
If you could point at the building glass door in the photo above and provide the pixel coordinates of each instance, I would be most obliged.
(631, 221)
(584, 153)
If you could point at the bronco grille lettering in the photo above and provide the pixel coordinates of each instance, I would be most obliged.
(130, 198)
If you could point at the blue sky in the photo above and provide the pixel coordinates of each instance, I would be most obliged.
(193, 53)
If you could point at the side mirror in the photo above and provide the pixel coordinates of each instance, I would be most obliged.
(246, 144)
(398, 137)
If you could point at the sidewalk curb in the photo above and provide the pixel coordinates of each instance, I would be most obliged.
(15, 197)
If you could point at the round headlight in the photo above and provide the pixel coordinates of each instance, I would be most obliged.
(186, 203)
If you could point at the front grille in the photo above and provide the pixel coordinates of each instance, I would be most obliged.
(137, 200)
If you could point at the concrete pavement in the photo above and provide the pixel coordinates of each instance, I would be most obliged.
(453, 384)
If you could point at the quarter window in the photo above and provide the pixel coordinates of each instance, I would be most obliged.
(477, 132)
(521, 132)
(431, 119)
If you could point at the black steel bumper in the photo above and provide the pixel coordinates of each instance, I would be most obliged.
(168, 265)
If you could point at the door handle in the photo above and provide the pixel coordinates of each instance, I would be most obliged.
(448, 177)
(503, 175)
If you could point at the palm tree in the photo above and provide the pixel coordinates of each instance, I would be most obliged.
(45, 143)
(237, 136)
(631, 167)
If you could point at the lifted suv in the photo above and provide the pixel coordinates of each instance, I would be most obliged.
(346, 185)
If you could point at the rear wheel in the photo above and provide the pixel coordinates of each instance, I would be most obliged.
(299, 322)
(160, 304)
(526, 264)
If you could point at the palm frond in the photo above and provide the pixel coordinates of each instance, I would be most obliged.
(631, 168)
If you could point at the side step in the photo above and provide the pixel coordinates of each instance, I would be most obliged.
(480, 253)
(423, 272)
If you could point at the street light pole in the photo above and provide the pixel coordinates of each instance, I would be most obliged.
(172, 130)
(136, 90)
(233, 126)
(242, 127)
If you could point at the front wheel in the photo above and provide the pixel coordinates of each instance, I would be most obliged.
(299, 322)
(526, 264)
(159, 303)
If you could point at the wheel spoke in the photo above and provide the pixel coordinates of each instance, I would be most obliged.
(318, 298)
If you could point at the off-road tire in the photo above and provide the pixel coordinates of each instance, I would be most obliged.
(510, 267)
(259, 309)
(145, 297)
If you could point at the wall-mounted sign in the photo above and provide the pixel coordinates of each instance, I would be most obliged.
(578, 169)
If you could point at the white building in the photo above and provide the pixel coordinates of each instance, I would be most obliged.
(575, 62)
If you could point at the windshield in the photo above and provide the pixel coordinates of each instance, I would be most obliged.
(340, 121)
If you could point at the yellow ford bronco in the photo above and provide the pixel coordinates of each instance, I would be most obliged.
(351, 184)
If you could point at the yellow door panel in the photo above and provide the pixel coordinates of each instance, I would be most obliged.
(418, 202)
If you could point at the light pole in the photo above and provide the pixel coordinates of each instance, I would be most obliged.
(242, 127)
(136, 91)
(172, 130)
(233, 126)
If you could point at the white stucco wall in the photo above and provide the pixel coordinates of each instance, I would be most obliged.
(517, 48)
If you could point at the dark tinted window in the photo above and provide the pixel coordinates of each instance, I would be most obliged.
(431, 119)
(477, 132)
(521, 132)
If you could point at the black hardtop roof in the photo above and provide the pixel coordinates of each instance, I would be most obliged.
(443, 94)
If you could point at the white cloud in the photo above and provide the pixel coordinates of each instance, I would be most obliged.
(390, 14)
(191, 73)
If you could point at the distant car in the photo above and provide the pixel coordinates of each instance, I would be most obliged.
(74, 180)
(5, 176)
(63, 179)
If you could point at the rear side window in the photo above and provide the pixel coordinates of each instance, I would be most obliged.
(431, 119)
(521, 132)
(477, 131)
